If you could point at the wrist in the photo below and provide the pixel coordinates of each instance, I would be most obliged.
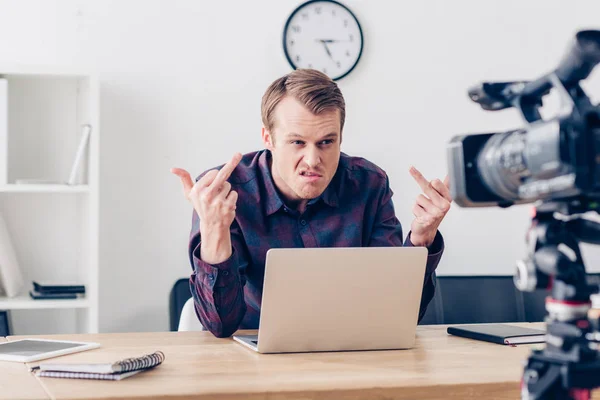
(420, 240)
(215, 246)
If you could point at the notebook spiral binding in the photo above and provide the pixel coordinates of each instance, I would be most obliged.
(147, 361)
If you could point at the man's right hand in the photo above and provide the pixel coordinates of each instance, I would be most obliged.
(215, 204)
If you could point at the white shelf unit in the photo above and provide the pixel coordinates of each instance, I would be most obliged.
(54, 226)
(47, 188)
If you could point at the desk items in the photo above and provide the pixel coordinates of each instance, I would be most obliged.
(499, 333)
(107, 371)
(56, 290)
(28, 350)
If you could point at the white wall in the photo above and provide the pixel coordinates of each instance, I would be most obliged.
(181, 83)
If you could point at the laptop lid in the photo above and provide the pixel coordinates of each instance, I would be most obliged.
(333, 299)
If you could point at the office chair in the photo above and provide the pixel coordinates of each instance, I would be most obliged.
(182, 316)
(479, 299)
(434, 313)
(188, 321)
(180, 293)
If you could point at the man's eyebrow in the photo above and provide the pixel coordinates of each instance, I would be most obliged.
(293, 135)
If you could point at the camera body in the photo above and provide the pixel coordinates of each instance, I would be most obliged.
(555, 159)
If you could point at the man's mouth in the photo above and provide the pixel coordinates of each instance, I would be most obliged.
(310, 174)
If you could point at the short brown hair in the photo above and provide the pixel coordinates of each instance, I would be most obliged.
(310, 87)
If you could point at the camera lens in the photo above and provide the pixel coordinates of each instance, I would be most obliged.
(519, 165)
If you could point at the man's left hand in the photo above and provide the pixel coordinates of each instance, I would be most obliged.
(429, 209)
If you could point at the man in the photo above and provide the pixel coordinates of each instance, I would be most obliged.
(301, 191)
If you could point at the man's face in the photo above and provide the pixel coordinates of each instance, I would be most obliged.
(305, 149)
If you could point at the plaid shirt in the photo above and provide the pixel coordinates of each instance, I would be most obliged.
(355, 210)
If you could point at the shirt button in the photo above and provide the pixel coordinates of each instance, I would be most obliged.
(209, 277)
(303, 222)
(285, 209)
(225, 273)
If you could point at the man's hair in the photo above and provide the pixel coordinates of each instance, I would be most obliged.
(310, 87)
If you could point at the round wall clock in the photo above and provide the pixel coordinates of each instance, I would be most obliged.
(323, 35)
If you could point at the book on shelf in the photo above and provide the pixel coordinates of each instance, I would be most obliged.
(104, 371)
(76, 166)
(52, 296)
(11, 278)
(5, 328)
(79, 154)
(46, 287)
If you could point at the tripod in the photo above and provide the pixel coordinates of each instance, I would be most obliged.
(569, 365)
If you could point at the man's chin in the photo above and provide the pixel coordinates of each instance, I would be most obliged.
(311, 194)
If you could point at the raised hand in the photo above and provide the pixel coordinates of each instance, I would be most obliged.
(429, 209)
(215, 204)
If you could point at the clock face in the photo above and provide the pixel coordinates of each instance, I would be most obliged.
(323, 35)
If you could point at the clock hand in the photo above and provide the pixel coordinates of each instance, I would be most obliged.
(331, 40)
(326, 48)
(328, 51)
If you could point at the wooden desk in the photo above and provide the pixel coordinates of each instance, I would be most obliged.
(198, 365)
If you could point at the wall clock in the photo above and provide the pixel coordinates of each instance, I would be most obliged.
(323, 35)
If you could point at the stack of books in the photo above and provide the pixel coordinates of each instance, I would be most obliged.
(55, 290)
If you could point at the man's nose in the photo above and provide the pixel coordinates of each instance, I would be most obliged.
(312, 157)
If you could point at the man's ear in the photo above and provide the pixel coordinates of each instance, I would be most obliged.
(267, 138)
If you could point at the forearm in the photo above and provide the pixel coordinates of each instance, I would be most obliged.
(218, 294)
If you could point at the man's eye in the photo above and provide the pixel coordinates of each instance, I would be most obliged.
(297, 142)
(328, 141)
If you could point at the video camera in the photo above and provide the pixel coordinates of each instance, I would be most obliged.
(556, 158)
(556, 163)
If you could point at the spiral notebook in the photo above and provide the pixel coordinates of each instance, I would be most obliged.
(106, 371)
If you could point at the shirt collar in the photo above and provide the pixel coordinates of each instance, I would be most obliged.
(273, 201)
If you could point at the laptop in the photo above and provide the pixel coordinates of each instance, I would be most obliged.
(339, 299)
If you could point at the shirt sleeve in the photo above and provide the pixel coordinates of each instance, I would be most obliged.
(387, 231)
(218, 289)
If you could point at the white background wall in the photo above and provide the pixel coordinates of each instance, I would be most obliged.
(181, 83)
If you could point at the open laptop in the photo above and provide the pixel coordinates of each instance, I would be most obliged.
(334, 299)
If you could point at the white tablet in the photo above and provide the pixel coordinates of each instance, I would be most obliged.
(27, 350)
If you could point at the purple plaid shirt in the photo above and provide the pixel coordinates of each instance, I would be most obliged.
(355, 210)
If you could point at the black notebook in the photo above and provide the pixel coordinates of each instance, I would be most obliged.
(499, 333)
(54, 287)
(51, 296)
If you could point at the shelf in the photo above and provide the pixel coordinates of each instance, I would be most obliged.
(24, 302)
(43, 188)
(16, 69)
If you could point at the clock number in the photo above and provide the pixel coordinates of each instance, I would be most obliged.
(352, 38)
(333, 12)
(339, 64)
(297, 58)
(291, 42)
(304, 15)
(296, 28)
(345, 23)
(309, 65)
(347, 53)
(318, 10)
